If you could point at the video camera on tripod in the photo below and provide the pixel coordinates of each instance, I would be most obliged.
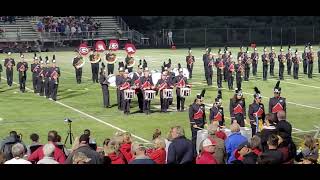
(70, 134)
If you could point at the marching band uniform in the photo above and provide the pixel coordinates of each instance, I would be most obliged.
(110, 66)
(256, 112)
(54, 74)
(310, 62)
(127, 59)
(240, 53)
(209, 62)
(22, 68)
(126, 84)
(46, 78)
(230, 77)
(238, 108)
(197, 117)
(265, 63)
(289, 60)
(216, 111)
(204, 59)
(272, 56)
(164, 83)
(146, 84)
(305, 60)
(225, 58)
(239, 72)
(34, 66)
(78, 70)
(9, 63)
(281, 57)
(119, 80)
(121, 65)
(145, 64)
(94, 67)
(296, 61)
(255, 60)
(180, 81)
(246, 65)
(220, 68)
(190, 60)
(40, 78)
(103, 79)
(136, 79)
(277, 103)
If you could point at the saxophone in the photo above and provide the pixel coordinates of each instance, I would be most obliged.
(283, 59)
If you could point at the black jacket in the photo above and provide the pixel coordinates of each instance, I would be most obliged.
(181, 151)
(284, 127)
(96, 158)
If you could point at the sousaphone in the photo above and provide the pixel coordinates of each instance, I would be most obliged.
(111, 58)
(131, 62)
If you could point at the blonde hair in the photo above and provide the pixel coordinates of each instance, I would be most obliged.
(235, 127)
(127, 137)
(112, 147)
(160, 143)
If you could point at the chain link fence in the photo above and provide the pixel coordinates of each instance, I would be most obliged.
(265, 36)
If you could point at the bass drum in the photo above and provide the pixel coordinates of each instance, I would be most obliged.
(185, 72)
(155, 77)
(112, 80)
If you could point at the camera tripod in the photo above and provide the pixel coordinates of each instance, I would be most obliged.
(70, 135)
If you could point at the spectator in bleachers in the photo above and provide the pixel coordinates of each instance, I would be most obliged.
(268, 129)
(272, 155)
(80, 158)
(255, 144)
(283, 125)
(310, 149)
(48, 158)
(158, 154)
(73, 31)
(112, 151)
(139, 155)
(34, 143)
(8, 142)
(84, 147)
(2, 158)
(244, 154)
(206, 155)
(58, 153)
(220, 149)
(181, 149)
(18, 152)
(233, 141)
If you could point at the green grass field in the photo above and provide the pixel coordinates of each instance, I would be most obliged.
(27, 113)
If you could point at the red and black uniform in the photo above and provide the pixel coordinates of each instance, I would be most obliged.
(125, 103)
(217, 114)
(136, 79)
(161, 85)
(180, 81)
(255, 59)
(220, 69)
(256, 110)
(34, 70)
(281, 65)
(119, 79)
(277, 104)
(238, 111)
(54, 74)
(40, 81)
(79, 70)
(22, 68)
(230, 76)
(197, 116)
(265, 63)
(289, 62)
(9, 63)
(247, 63)
(46, 81)
(296, 61)
(190, 60)
(145, 84)
(305, 61)
(310, 63)
(272, 56)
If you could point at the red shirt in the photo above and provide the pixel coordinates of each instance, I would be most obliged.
(257, 151)
(206, 158)
(125, 149)
(116, 159)
(221, 135)
(158, 155)
(58, 155)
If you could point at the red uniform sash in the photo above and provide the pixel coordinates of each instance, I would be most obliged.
(238, 109)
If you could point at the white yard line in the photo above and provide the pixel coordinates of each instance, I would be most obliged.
(92, 117)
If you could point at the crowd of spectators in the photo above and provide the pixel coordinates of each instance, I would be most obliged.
(274, 145)
(71, 26)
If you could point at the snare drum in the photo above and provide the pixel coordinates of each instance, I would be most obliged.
(167, 93)
(185, 92)
(149, 94)
(128, 94)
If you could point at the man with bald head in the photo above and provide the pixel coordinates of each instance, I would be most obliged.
(283, 125)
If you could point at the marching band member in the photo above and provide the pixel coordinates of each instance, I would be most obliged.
(120, 65)
(231, 70)
(265, 63)
(240, 53)
(40, 77)
(305, 59)
(77, 66)
(127, 61)
(119, 79)
(205, 63)
(247, 62)
(255, 60)
(146, 83)
(54, 74)
(34, 66)
(256, 112)
(110, 66)
(190, 60)
(180, 82)
(277, 103)
(22, 68)
(289, 60)
(296, 61)
(239, 73)
(197, 117)
(104, 86)
(216, 111)
(136, 79)
(125, 84)
(220, 67)
(225, 58)
(164, 83)
(311, 57)
(95, 59)
(272, 56)
(281, 59)
(238, 108)
(46, 78)
(9, 63)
